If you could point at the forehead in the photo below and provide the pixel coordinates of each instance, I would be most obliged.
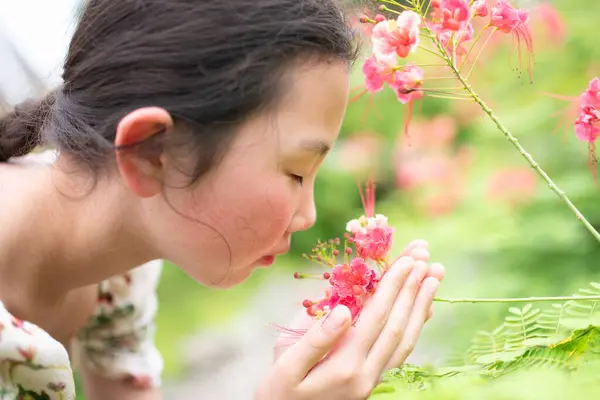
(308, 116)
(311, 111)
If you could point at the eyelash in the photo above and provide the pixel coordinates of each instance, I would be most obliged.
(298, 179)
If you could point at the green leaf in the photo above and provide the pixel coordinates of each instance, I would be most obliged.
(500, 356)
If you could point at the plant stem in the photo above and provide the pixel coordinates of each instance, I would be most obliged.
(432, 52)
(453, 41)
(384, 8)
(424, 13)
(518, 299)
(439, 96)
(518, 146)
(396, 4)
(530, 159)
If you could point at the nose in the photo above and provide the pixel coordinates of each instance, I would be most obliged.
(305, 216)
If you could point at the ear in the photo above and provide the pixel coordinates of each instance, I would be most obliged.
(141, 171)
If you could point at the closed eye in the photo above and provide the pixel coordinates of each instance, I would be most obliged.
(297, 178)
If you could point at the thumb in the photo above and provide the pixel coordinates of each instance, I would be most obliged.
(315, 344)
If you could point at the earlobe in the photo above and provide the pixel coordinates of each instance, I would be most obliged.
(141, 171)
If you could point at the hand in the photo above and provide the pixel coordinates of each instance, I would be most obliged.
(336, 361)
(417, 249)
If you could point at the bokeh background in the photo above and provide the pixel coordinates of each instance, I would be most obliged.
(454, 180)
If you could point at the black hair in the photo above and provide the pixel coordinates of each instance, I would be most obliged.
(210, 63)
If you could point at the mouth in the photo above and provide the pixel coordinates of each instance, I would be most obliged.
(270, 259)
(266, 261)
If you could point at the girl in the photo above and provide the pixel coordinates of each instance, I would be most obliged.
(187, 130)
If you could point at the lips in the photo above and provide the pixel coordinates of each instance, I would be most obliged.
(270, 259)
(266, 260)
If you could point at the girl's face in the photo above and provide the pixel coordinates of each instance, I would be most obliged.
(241, 215)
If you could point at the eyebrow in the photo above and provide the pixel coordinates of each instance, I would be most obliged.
(315, 146)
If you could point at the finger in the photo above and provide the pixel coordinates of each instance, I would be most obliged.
(420, 253)
(414, 244)
(437, 271)
(415, 323)
(395, 328)
(298, 360)
(375, 312)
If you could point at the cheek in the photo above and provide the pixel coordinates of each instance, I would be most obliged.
(252, 217)
(259, 219)
(274, 213)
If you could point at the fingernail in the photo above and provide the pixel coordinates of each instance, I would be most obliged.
(336, 318)
(434, 285)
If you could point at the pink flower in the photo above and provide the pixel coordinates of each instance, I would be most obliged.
(407, 82)
(371, 233)
(479, 8)
(350, 283)
(450, 14)
(591, 96)
(399, 37)
(585, 109)
(464, 35)
(353, 303)
(582, 109)
(372, 236)
(323, 307)
(375, 243)
(587, 126)
(507, 19)
(376, 74)
(355, 279)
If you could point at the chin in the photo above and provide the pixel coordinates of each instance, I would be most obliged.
(227, 278)
(232, 279)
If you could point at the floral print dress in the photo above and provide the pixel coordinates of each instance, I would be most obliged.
(117, 342)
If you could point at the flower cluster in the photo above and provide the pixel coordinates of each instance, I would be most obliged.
(366, 246)
(449, 25)
(392, 39)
